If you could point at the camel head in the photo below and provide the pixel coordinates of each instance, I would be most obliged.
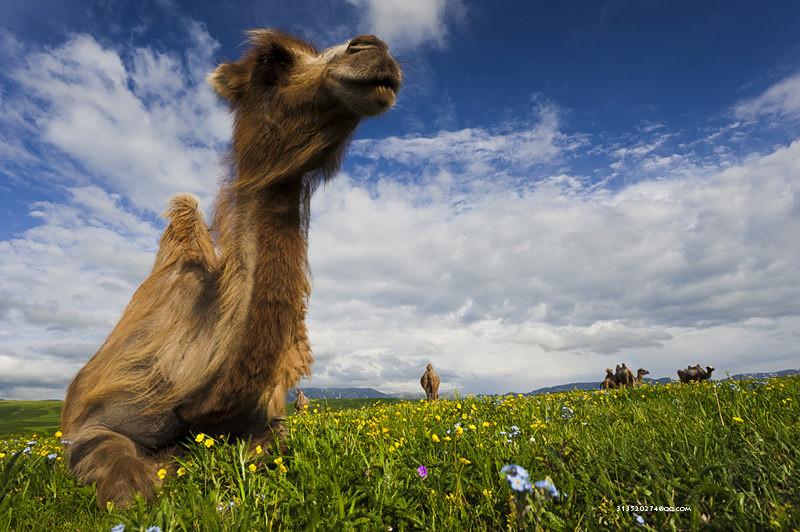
(709, 370)
(641, 372)
(609, 372)
(294, 108)
(429, 367)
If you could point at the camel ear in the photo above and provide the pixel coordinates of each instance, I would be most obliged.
(229, 80)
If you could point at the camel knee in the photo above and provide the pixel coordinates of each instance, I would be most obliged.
(115, 463)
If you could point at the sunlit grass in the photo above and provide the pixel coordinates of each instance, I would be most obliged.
(727, 451)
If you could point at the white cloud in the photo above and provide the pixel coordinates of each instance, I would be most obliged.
(405, 24)
(479, 151)
(782, 100)
(498, 285)
(146, 129)
(114, 134)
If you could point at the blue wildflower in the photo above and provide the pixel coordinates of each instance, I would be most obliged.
(118, 528)
(517, 477)
(547, 487)
(26, 450)
(639, 519)
(519, 484)
(567, 412)
(154, 528)
(31, 443)
(52, 456)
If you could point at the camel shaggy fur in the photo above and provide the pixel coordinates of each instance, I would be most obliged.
(624, 375)
(695, 373)
(610, 382)
(430, 383)
(640, 373)
(215, 336)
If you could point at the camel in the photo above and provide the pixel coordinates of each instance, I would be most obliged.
(640, 373)
(610, 382)
(695, 373)
(624, 375)
(430, 383)
(215, 335)
(300, 402)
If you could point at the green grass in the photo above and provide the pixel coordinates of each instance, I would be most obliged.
(727, 452)
(18, 417)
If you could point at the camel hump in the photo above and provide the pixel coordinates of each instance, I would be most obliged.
(181, 207)
(186, 238)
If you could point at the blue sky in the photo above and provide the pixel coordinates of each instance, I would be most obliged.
(560, 187)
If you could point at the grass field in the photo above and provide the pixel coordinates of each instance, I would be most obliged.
(724, 453)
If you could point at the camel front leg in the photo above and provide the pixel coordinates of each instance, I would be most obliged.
(118, 466)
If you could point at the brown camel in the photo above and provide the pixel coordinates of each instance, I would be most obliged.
(624, 375)
(430, 383)
(300, 402)
(610, 382)
(695, 373)
(640, 373)
(215, 336)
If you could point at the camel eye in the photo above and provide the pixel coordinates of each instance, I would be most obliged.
(273, 64)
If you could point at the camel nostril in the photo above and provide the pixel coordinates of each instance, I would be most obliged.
(364, 42)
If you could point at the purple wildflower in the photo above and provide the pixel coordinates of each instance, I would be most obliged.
(422, 471)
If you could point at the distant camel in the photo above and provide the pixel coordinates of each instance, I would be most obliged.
(640, 373)
(301, 402)
(610, 382)
(430, 383)
(695, 373)
(624, 375)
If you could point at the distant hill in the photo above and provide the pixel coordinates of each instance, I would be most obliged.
(586, 386)
(339, 393)
(371, 393)
(765, 375)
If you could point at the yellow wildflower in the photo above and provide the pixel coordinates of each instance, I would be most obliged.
(472, 427)
(259, 450)
(2, 455)
(485, 424)
(464, 461)
(738, 419)
(282, 468)
(447, 438)
(208, 443)
(437, 417)
(181, 471)
(435, 438)
(200, 437)
(278, 461)
(162, 473)
(487, 493)
(252, 468)
(459, 431)
(58, 434)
